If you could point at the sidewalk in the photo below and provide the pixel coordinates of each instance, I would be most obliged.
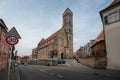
(3, 75)
(13, 75)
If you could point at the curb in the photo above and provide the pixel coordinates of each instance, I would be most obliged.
(14, 75)
(18, 74)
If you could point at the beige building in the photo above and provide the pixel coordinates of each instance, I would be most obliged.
(111, 24)
(60, 44)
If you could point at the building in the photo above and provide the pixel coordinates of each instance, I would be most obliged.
(25, 59)
(4, 47)
(79, 52)
(59, 44)
(111, 24)
(99, 52)
(34, 53)
(87, 49)
(19, 59)
(98, 49)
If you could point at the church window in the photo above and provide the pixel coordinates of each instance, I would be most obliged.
(69, 30)
(69, 37)
(70, 44)
(64, 20)
(65, 30)
(62, 42)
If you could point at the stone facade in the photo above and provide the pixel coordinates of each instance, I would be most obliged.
(60, 44)
(79, 52)
(98, 49)
(94, 62)
(111, 24)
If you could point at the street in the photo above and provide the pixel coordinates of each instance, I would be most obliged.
(38, 72)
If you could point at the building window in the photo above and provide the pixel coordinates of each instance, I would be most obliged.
(113, 17)
(105, 20)
(3, 36)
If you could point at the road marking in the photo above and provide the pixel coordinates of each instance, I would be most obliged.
(59, 76)
(51, 73)
(43, 71)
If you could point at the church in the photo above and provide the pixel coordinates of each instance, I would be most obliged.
(59, 45)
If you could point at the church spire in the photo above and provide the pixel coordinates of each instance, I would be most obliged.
(68, 11)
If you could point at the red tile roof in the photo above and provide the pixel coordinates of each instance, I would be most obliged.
(114, 2)
(100, 36)
(43, 41)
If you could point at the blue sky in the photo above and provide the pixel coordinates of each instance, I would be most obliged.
(37, 19)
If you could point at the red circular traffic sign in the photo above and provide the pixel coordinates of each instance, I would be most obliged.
(12, 40)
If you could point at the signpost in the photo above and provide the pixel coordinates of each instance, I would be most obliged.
(12, 39)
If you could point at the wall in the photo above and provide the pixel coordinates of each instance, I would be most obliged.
(112, 35)
(43, 62)
(94, 62)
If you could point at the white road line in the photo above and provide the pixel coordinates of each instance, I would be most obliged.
(44, 71)
(59, 76)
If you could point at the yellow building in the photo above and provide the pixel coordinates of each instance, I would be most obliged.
(60, 44)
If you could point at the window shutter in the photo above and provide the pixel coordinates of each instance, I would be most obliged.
(105, 19)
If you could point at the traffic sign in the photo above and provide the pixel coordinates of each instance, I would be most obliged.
(14, 32)
(12, 40)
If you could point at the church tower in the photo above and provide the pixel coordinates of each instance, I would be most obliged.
(68, 30)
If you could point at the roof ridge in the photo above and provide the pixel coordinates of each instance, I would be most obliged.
(114, 2)
(3, 24)
(42, 41)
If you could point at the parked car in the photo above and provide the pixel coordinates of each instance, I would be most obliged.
(25, 64)
(77, 59)
(61, 61)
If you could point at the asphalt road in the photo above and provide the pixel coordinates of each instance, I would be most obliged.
(37, 72)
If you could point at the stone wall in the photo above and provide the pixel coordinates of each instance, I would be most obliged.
(94, 62)
(3, 66)
(43, 62)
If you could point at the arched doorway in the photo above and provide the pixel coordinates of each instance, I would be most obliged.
(62, 56)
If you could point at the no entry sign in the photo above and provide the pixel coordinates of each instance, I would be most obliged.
(12, 40)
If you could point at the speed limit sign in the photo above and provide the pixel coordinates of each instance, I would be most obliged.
(12, 40)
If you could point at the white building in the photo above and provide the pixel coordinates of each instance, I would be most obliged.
(87, 48)
(111, 25)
